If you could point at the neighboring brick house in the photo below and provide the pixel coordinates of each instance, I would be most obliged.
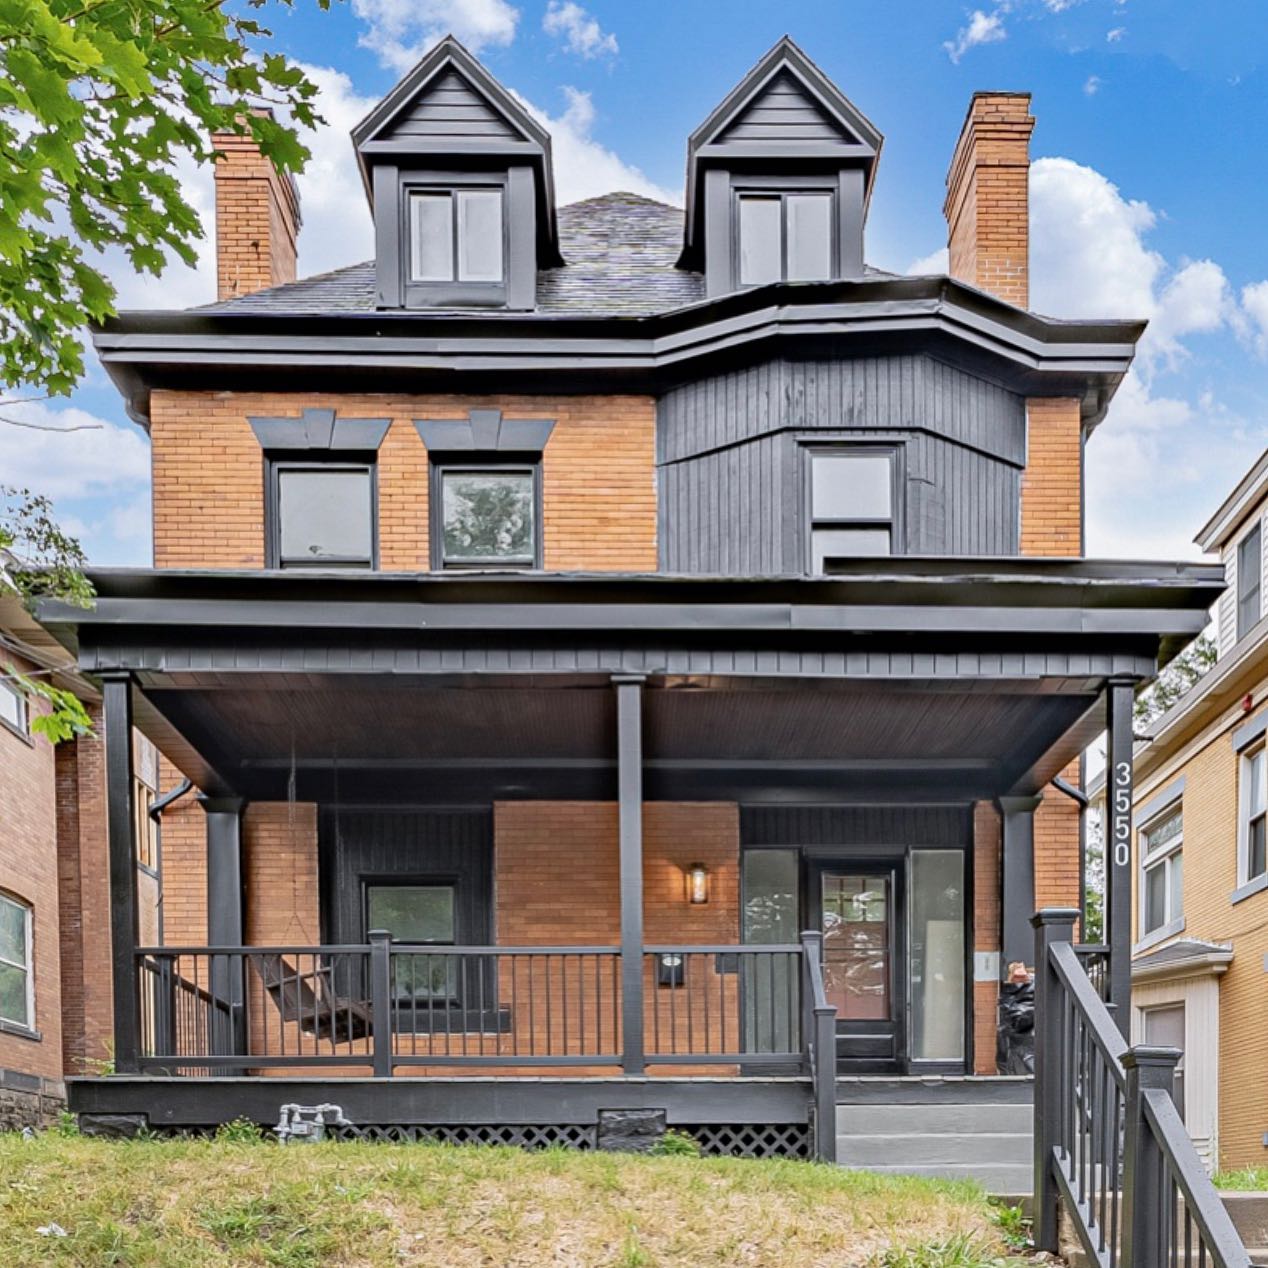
(596, 598)
(1200, 948)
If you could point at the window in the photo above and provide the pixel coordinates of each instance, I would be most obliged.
(13, 708)
(144, 829)
(17, 990)
(456, 236)
(323, 515)
(1254, 801)
(1164, 1028)
(487, 517)
(1249, 581)
(417, 915)
(1162, 873)
(851, 505)
(784, 237)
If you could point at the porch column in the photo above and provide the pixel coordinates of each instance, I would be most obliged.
(225, 922)
(629, 727)
(116, 712)
(1117, 837)
(1017, 877)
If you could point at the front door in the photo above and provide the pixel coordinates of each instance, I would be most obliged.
(860, 909)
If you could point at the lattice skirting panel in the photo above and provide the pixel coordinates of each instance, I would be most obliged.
(737, 1140)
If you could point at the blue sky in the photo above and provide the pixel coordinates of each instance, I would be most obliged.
(1148, 195)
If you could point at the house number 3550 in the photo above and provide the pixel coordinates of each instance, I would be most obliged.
(1122, 813)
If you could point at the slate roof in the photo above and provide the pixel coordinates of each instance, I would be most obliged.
(620, 250)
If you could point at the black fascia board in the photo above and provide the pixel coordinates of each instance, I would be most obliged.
(564, 352)
(988, 597)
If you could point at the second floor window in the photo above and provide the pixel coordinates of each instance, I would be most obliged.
(13, 708)
(322, 515)
(1162, 873)
(784, 237)
(1252, 839)
(17, 989)
(456, 236)
(851, 505)
(144, 829)
(1249, 581)
(488, 516)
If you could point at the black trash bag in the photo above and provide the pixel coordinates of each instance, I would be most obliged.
(1015, 1042)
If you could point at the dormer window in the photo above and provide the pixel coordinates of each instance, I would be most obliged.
(784, 237)
(457, 235)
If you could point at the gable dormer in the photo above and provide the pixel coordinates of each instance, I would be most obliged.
(778, 179)
(459, 178)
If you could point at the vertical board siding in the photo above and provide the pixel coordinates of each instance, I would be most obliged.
(856, 825)
(732, 472)
(452, 845)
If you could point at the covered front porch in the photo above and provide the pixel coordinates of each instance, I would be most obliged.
(651, 837)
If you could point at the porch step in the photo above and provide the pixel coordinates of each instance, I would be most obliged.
(942, 1135)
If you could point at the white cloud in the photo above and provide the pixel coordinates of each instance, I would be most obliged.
(936, 262)
(401, 31)
(580, 32)
(585, 167)
(1255, 309)
(983, 28)
(1092, 85)
(98, 457)
(1116, 34)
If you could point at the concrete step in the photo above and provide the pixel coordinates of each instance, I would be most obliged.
(1258, 1256)
(997, 1178)
(980, 1149)
(951, 1118)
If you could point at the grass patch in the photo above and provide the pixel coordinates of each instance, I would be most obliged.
(1251, 1179)
(241, 1201)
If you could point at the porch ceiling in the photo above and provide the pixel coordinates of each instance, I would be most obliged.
(405, 740)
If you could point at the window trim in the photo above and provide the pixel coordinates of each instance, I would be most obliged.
(412, 880)
(144, 827)
(22, 732)
(439, 294)
(25, 1029)
(1247, 884)
(1164, 856)
(1244, 627)
(275, 465)
(459, 462)
(783, 190)
(842, 448)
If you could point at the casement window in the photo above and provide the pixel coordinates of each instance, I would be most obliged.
(14, 712)
(417, 915)
(322, 515)
(852, 499)
(1253, 799)
(1249, 581)
(486, 515)
(17, 979)
(144, 829)
(1162, 874)
(456, 239)
(784, 236)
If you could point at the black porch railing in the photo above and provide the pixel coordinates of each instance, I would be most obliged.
(1095, 958)
(386, 1006)
(1109, 1143)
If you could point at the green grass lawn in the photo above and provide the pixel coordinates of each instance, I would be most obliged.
(1254, 1179)
(204, 1204)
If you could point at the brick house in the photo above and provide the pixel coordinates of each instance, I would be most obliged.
(612, 642)
(1200, 911)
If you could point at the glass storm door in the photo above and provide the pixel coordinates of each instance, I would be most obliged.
(859, 916)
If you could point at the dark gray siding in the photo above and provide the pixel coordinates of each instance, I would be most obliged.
(452, 845)
(856, 825)
(783, 112)
(732, 469)
(451, 108)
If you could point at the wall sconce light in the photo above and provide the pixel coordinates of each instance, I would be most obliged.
(697, 884)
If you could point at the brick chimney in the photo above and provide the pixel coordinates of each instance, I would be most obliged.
(988, 204)
(257, 218)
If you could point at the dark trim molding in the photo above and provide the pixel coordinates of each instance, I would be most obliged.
(485, 431)
(320, 429)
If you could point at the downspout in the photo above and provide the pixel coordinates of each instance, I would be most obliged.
(156, 813)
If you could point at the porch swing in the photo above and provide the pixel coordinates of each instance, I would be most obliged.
(309, 999)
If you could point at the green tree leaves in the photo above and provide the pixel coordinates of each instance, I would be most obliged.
(98, 101)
